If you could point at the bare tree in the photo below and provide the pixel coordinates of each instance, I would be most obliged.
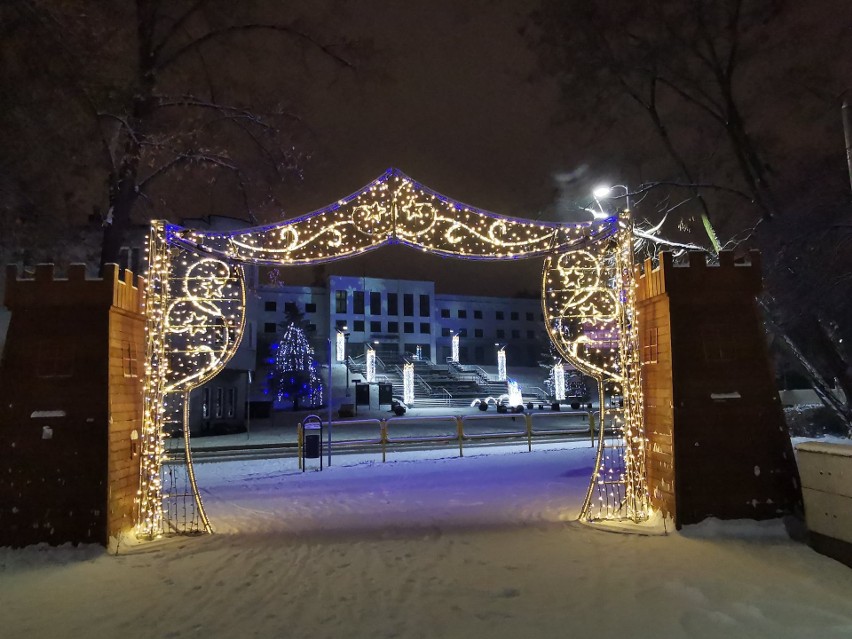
(158, 94)
(703, 75)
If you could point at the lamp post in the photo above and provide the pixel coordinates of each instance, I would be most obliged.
(604, 192)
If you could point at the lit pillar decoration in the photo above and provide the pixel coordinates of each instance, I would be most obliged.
(515, 396)
(589, 308)
(418, 352)
(455, 354)
(341, 347)
(408, 383)
(501, 364)
(370, 371)
(559, 381)
(196, 313)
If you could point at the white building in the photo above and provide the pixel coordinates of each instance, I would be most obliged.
(398, 318)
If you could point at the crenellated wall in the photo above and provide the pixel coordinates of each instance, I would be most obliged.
(717, 440)
(70, 401)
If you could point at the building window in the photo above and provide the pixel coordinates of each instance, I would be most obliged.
(393, 327)
(375, 327)
(340, 325)
(205, 402)
(501, 333)
(408, 327)
(445, 332)
(499, 315)
(310, 328)
(530, 334)
(220, 400)
(516, 334)
(358, 302)
(477, 315)
(340, 300)
(290, 308)
(393, 307)
(462, 313)
(650, 346)
(477, 332)
(530, 317)
(270, 307)
(425, 327)
(408, 304)
(358, 326)
(462, 332)
(375, 303)
(231, 403)
(445, 312)
(269, 327)
(424, 306)
(129, 360)
(310, 307)
(514, 316)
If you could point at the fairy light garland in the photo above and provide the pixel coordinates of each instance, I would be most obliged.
(408, 383)
(559, 381)
(196, 306)
(514, 393)
(370, 369)
(501, 364)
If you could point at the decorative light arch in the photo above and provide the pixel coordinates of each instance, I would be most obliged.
(196, 317)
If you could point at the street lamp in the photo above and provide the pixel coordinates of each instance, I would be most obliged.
(604, 192)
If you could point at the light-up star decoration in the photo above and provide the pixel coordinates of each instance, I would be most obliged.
(196, 305)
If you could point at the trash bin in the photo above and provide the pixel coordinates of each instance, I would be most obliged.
(313, 441)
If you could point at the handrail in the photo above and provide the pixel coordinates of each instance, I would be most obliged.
(539, 392)
(449, 395)
(418, 378)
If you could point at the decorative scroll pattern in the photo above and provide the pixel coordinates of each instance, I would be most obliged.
(196, 314)
(395, 208)
(590, 310)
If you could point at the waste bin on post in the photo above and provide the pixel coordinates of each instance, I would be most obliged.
(312, 449)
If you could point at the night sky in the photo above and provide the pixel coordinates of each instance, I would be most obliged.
(452, 105)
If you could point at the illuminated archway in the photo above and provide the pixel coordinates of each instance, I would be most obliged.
(196, 316)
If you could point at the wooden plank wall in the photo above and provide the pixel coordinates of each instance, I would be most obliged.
(654, 316)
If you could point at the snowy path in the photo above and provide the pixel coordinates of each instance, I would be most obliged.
(474, 547)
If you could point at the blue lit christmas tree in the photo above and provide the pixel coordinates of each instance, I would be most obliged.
(294, 375)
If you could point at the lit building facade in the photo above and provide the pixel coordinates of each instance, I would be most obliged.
(397, 318)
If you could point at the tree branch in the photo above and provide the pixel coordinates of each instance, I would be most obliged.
(244, 28)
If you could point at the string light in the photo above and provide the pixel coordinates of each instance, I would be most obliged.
(370, 369)
(408, 383)
(196, 310)
(455, 351)
(559, 381)
(341, 346)
(514, 394)
(501, 364)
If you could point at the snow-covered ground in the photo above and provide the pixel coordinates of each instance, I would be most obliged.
(480, 546)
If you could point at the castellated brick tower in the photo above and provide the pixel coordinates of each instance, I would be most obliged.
(717, 441)
(71, 406)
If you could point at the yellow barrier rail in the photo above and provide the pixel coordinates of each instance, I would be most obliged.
(460, 429)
